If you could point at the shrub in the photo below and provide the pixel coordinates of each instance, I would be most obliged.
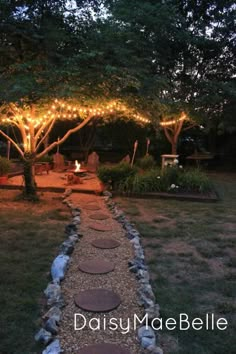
(146, 163)
(5, 166)
(116, 174)
(124, 178)
(194, 180)
(169, 176)
(142, 183)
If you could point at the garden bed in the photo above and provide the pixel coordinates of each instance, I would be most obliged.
(147, 180)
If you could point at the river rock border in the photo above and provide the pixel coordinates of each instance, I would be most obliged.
(148, 338)
(55, 302)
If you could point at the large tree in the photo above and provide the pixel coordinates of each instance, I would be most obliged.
(41, 46)
(181, 55)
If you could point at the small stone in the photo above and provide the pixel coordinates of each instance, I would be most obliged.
(107, 194)
(70, 229)
(54, 313)
(43, 336)
(153, 311)
(53, 348)
(154, 350)
(67, 247)
(75, 213)
(146, 336)
(51, 326)
(53, 294)
(74, 238)
(147, 342)
(59, 267)
(76, 220)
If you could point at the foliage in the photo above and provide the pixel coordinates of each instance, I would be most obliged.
(194, 180)
(5, 166)
(172, 179)
(142, 183)
(146, 163)
(115, 174)
(183, 60)
(170, 175)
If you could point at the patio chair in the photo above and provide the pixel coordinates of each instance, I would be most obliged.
(59, 163)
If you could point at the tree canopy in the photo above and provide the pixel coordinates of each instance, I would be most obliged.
(162, 57)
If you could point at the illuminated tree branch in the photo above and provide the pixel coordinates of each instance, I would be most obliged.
(60, 141)
(13, 143)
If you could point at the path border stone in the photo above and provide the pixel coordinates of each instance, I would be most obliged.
(53, 293)
(55, 302)
(147, 337)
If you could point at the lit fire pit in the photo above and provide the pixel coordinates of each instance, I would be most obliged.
(73, 176)
(78, 170)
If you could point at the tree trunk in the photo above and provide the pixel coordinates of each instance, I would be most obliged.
(30, 185)
(174, 148)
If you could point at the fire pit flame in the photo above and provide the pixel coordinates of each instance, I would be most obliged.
(77, 166)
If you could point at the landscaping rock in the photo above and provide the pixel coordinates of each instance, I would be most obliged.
(59, 265)
(153, 311)
(43, 336)
(54, 313)
(53, 348)
(70, 229)
(147, 337)
(51, 326)
(154, 350)
(74, 238)
(76, 220)
(53, 294)
(107, 194)
(67, 247)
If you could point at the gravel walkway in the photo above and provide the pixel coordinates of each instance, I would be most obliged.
(120, 281)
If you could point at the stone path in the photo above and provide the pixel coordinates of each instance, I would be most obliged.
(116, 289)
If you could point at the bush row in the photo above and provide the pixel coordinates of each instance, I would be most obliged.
(124, 178)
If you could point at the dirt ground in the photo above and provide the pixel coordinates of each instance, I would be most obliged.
(59, 180)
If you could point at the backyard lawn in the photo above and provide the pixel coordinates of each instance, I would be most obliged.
(29, 236)
(190, 249)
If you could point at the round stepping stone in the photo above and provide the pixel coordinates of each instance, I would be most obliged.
(100, 227)
(104, 348)
(96, 266)
(92, 207)
(105, 243)
(97, 300)
(99, 216)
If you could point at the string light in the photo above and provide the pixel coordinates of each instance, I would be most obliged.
(34, 125)
(173, 121)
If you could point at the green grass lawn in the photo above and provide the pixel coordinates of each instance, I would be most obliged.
(190, 248)
(29, 237)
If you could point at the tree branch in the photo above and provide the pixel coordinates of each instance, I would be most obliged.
(45, 136)
(167, 134)
(190, 126)
(60, 141)
(179, 127)
(13, 143)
